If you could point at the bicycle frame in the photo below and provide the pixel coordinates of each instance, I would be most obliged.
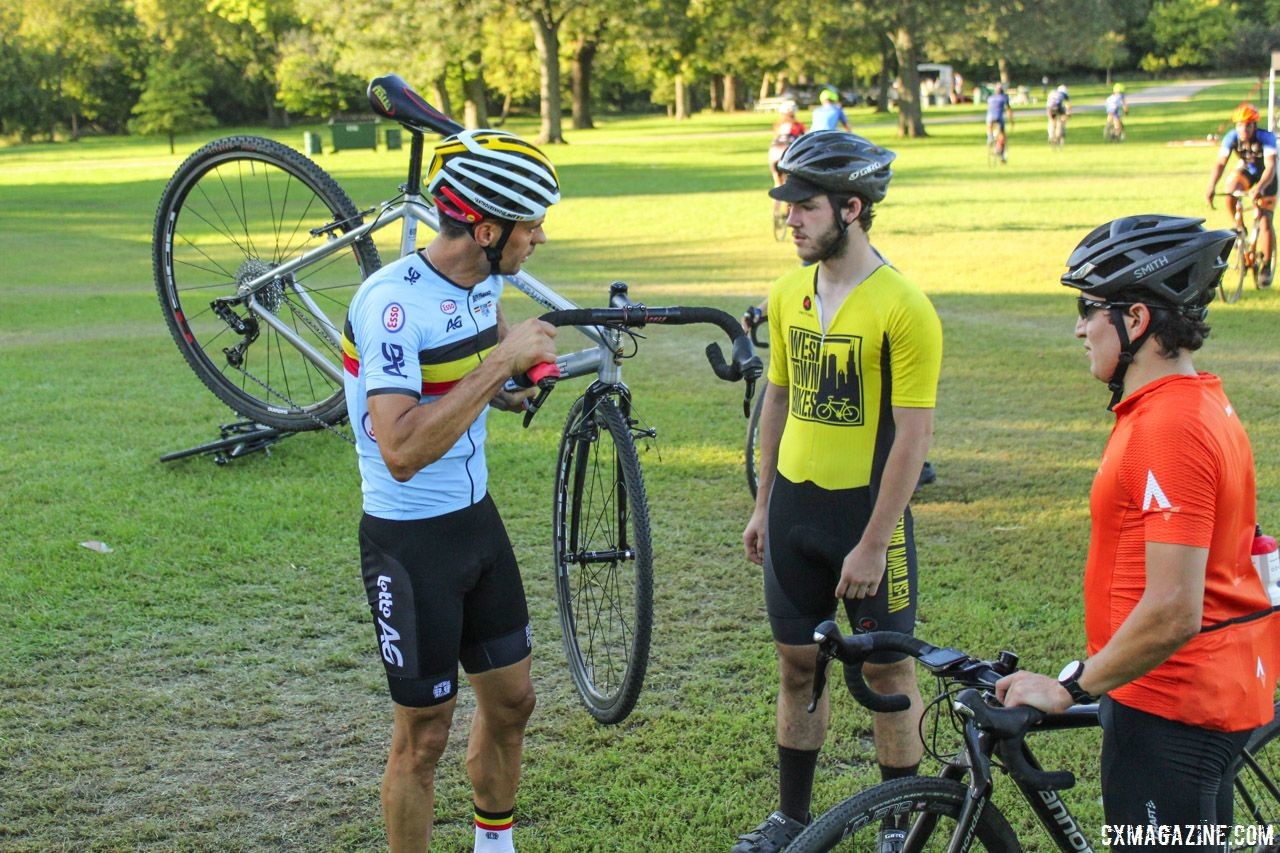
(974, 761)
(410, 209)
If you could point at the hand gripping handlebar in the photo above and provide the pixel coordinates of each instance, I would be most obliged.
(744, 364)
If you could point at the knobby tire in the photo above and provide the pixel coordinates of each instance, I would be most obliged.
(934, 803)
(751, 452)
(603, 559)
(1257, 784)
(234, 210)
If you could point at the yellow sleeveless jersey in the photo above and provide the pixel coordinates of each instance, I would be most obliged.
(882, 348)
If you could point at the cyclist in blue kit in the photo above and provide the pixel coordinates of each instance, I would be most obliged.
(1255, 173)
(998, 110)
(426, 352)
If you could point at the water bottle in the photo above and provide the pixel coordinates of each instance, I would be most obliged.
(1266, 561)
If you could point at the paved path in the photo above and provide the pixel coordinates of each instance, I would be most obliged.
(1163, 94)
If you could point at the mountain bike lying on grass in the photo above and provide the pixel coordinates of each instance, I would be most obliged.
(257, 254)
(953, 811)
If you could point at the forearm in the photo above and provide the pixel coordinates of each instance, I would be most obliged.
(1216, 174)
(1145, 640)
(1165, 619)
(423, 433)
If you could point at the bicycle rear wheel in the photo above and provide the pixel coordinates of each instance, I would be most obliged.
(1257, 788)
(236, 209)
(1237, 273)
(927, 807)
(603, 559)
(752, 451)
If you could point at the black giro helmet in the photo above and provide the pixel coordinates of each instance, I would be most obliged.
(1171, 259)
(832, 161)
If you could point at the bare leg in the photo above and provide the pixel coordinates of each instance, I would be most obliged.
(897, 735)
(408, 784)
(797, 728)
(504, 702)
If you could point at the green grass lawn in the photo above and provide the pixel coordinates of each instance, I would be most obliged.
(213, 682)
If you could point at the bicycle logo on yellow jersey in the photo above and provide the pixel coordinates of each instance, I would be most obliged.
(826, 377)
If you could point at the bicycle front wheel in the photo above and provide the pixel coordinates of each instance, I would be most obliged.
(1228, 293)
(926, 807)
(603, 559)
(1257, 789)
(234, 211)
(752, 451)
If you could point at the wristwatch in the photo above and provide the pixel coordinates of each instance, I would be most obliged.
(1069, 678)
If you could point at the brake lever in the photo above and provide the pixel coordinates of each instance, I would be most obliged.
(820, 676)
(532, 406)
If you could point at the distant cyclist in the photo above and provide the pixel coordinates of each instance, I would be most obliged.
(1058, 109)
(1117, 109)
(829, 114)
(785, 131)
(1255, 151)
(998, 110)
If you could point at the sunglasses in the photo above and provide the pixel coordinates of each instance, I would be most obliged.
(1085, 305)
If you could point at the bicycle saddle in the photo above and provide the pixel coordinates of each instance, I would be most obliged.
(391, 97)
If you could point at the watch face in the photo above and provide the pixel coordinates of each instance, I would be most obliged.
(1070, 671)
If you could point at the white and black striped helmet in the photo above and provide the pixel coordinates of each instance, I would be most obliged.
(480, 174)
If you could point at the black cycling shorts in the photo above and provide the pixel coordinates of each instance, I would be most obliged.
(1252, 178)
(800, 586)
(1158, 772)
(443, 591)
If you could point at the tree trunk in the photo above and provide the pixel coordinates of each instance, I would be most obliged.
(475, 107)
(910, 123)
(506, 110)
(171, 142)
(682, 99)
(764, 85)
(886, 76)
(546, 36)
(441, 94)
(75, 127)
(730, 93)
(1004, 72)
(713, 90)
(584, 57)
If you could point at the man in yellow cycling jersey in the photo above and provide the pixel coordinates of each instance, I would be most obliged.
(847, 419)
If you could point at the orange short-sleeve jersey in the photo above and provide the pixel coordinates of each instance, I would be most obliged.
(1178, 469)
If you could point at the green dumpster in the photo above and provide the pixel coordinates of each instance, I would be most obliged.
(355, 135)
(311, 143)
(393, 139)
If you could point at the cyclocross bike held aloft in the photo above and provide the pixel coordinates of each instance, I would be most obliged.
(257, 253)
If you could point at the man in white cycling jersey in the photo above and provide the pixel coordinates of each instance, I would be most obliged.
(426, 352)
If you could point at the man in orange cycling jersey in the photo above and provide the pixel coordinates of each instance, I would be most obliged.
(1181, 648)
(1255, 173)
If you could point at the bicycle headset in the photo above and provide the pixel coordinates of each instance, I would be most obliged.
(491, 173)
(1164, 262)
(834, 163)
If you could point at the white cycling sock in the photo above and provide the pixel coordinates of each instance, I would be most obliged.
(493, 832)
